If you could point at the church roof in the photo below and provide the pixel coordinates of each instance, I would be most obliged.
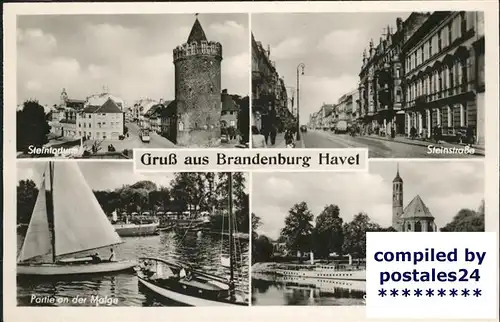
(416, 209)
(197, 34)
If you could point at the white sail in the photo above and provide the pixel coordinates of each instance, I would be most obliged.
(80, 223)
(37, 241)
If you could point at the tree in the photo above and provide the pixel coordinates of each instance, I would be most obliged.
(32, 126)
(298, 228)
(329, 236)
(465, 220)
(355, 235)
(262, 249)
(184, 189)
(27, 193)
(144, 184)
(256, 223)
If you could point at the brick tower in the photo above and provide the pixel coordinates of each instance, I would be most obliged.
(198, 90)
(397, 201)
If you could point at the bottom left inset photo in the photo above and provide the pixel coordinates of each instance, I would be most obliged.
(99, 234)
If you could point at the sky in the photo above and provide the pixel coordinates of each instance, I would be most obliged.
(100, 175)
(445, 187)
(129, 54)
(329, 44)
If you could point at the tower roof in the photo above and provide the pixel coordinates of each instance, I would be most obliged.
(416, 209)
(197, 34)
(397, 178)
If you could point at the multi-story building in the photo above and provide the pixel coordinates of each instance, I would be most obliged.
(101, 122)
(444, 76)
(140, 108)
(270, 99)
(380, 93)
(198, 90)
(93, 118)
(230, 109)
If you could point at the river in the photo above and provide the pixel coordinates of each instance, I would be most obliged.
(268, 290)
(203, 252)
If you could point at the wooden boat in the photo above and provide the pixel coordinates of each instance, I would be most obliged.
(180, 283)
(67, 221)
(133, 229)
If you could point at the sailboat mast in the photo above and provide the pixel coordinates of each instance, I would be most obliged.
(230, 211)
(50, 211)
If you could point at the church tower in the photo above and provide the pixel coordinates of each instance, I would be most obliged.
(397, 201)
(198, 90)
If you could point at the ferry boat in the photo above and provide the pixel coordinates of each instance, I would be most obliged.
(313, 270)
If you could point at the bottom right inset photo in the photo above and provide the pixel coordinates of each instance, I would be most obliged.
(309, 229)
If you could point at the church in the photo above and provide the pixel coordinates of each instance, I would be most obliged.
(415, 217)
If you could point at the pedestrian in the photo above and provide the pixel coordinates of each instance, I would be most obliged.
(470, 135)
(289, 139)
(273, 134)
(258, 140)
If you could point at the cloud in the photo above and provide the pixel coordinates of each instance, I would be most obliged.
(289, 48)
(236, 68)
(35, 42)
(342, 43)
(229, 27)
(442, 190)
(129, 54)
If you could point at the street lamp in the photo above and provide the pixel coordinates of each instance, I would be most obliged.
(300, 66)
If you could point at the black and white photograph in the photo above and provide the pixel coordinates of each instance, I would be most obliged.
(98, 86)
(98, 234)
(309, 229)
(402, 84)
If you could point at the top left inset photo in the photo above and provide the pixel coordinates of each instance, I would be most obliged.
(98, 86)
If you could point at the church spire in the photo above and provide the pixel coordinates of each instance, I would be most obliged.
(397, 178)
(197, 34)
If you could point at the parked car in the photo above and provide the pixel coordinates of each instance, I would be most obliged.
(303, 128)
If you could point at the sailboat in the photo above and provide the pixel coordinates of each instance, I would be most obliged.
(179, 282)
(67, 220)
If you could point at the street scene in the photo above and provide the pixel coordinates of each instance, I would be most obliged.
(125, 239)
(188, 90)
(403, 85)
(309, 229)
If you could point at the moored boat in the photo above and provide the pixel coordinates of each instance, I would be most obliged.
(183, 284)
(313, 270)
(134, 230)
(67, 220)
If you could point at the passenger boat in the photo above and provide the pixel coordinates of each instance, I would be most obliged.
(179, 282)
(321, 284)
(313, 270)
(67, 220)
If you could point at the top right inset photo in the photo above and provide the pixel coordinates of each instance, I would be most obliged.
(403, 85)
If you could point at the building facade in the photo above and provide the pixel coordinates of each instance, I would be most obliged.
(198, 89)
(93, 118)
(380, 85)
(415, 217)
(270, 99)
(101, 122)
(230, 109)
(444, 76)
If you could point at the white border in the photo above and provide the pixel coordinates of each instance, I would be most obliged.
(289, 313)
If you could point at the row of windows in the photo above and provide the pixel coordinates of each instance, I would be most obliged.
(447, 77)
(455, 29)
(99, 124)
(418, 120)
